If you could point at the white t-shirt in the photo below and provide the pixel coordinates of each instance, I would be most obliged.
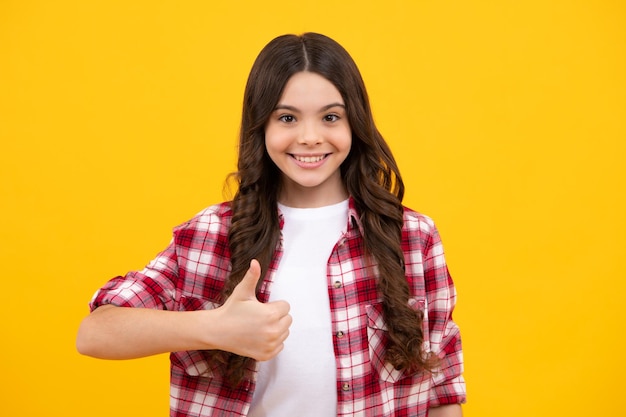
(301, 380)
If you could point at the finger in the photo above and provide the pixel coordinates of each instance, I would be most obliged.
(246, 289)
(286, 321)
(270, 354)
(281, 307)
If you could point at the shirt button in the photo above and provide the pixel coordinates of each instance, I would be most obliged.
(345, 386)
(337, 284)
(340, 334)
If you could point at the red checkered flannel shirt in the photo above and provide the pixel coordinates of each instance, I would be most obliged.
(189, 275)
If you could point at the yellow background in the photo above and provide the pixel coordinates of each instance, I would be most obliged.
(119, 120)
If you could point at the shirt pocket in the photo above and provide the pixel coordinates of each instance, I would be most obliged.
(195, 362)
(378, 339)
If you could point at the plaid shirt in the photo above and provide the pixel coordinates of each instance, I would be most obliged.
(189, 275)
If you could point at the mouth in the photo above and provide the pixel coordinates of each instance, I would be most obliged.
(309, 159)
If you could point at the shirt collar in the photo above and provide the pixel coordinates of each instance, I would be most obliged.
(354, 220)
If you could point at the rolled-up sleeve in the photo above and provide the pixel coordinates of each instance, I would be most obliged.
(153, 287)
(448, 384)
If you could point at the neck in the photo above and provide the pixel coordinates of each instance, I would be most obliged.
(311, 198)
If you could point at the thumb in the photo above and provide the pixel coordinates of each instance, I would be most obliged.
(246, 289)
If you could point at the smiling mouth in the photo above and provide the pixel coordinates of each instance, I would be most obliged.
(309, 159)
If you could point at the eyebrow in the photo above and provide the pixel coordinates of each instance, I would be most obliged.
(295, 109)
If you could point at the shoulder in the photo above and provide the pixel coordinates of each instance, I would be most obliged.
(217, 213)
(213, 220)
(416, 222)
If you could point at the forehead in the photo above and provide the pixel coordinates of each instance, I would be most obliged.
(309, 87)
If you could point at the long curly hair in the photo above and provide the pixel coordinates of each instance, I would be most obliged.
(370, 174)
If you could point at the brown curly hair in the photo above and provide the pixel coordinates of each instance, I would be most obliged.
(370, 174)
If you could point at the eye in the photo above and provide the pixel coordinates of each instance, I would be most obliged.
(287, 118)
(331, 118)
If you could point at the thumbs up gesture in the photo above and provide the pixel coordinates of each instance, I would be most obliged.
(251, 328)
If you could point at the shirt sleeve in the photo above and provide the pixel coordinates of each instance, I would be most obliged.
(448, 384)
(153, 287)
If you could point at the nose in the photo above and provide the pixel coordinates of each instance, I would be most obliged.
(309, 134)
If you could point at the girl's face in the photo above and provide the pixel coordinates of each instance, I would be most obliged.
(308, 137)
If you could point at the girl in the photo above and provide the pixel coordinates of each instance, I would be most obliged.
(314, 292)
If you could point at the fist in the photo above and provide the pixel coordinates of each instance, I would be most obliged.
(251, 328)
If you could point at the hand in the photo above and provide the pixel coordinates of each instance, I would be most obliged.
(251, 328)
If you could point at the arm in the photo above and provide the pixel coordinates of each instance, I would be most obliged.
(242, 325)
(448, 384)
(452, 410)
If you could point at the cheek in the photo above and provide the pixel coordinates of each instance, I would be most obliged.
(270, 137)
(343, 139)
(283, 136)
(276, 140)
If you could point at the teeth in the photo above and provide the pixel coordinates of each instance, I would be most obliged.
(309, 158)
